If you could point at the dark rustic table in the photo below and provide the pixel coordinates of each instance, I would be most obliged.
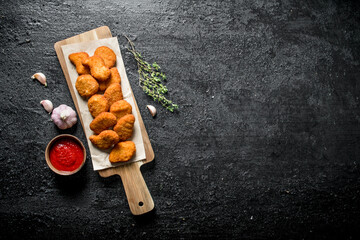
(266, 143)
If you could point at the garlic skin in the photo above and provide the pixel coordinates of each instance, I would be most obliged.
(48, 105)
(152, 110)
(64, 117)
(40, 77)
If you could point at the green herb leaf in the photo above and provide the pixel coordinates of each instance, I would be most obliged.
(150, 79)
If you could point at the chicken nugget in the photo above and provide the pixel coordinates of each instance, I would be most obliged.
(113, 93)
(120, 108)
(97, 104)
(97, 68)
(105, 139)
(107, 54)
(122, 152)
(86, 85)
(114, 78)
(102, 122)
(124, 127)
(76, 59)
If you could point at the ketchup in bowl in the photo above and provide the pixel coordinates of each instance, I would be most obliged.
(65, 154)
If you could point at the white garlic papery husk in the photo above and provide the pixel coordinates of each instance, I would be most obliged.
(64, 116)
(40, 77)
(48, 105)
(152, 110)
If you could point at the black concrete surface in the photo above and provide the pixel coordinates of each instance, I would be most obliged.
(266, 144)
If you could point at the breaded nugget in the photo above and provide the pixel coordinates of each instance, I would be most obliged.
(86, 85)
(113, 93)
(102, 122)
(97, 68)
(97, 104)
(107, 54)
(120, 108)
(76, 59)
(124, 127)
(105, 139)
(122, 152)
(114, 78)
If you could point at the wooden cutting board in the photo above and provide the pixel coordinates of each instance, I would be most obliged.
(137, 193)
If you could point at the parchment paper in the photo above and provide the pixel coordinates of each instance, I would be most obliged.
(100, 158)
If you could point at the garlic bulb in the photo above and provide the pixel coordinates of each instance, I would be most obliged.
(47, 104)
(64, 116)
(40, 77)
(152, 110)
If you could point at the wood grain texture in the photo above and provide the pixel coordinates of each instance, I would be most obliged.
(138, 195)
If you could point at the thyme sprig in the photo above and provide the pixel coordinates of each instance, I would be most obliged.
(151, 79)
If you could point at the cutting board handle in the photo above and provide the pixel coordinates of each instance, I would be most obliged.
(137, 193)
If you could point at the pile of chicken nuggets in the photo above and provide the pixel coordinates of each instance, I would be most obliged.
(100, 82)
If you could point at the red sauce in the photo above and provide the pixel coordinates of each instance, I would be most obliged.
(66, 155)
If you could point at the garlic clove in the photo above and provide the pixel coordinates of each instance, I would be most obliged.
(152, 110)
(71, 120)
(48, 105)
(40, 77)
